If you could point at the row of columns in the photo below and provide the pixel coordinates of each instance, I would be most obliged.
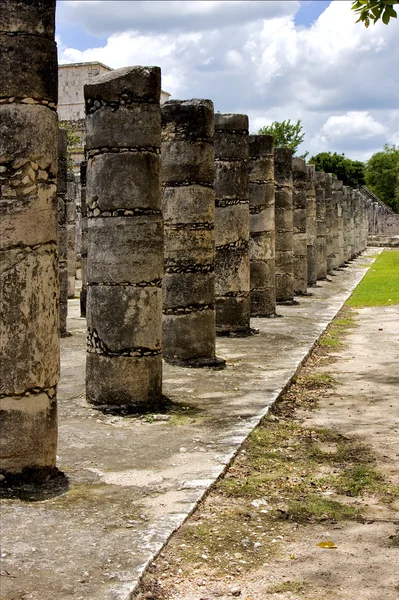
(173, 252)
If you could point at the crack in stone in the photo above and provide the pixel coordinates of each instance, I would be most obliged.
(141, 284)
(237, 245)
(94, 211)
(95, 345)
(186, 183)
(191, 308)
(114, 150)
(190, 226)
(220, 203)
(171, 267)
(126, 101)
(241, 294)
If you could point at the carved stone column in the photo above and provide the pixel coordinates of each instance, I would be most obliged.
(29, 275)
(321, 251)
(83, 238)
(62, 229)
(232, 225)
(300, 238)
(125, 239)
(189, 211)
(284, 225)
(262, 226)
(311, 224)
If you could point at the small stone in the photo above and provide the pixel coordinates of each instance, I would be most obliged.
(29, 190)
(43, 175)
(235, 591)
(34, 166)
(28, 101)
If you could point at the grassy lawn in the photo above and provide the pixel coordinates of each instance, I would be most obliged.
(380, 285)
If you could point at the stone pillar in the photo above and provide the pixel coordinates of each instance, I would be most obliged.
(351, 206)
(284, 225)
(329, 219)
(29, 279)
(311, 224)
(346, 222)
(83, 238)
(321, 252)
(70, 227)
(62, 229)
(262, 226)
(189, 211)
(232, 225)
(338, 191)
(300, 237)
(124, 239)
(336, 185)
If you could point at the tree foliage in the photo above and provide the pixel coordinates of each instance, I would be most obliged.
(382, 175)
(285, 134)
(351, 172)
(73, 141)
(373, 10)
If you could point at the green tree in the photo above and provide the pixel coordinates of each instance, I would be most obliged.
(373, 10)
(285, 134)
(351, 172)
(382, 175)
(73, 141)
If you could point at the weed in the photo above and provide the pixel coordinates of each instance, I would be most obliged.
(286, 586)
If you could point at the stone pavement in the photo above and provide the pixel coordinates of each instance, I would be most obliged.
(131, 481)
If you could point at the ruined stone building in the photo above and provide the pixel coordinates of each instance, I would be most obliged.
(71, 105)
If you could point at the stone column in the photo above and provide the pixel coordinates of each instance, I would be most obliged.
(70, 227)
(351, 207)
(329, 219)
(346, 222)
(336, 186)
(284, 225)
(189, 211)
(62, 230)
(338, 191)
(124, 239)
(83, 238)
(311, 224)
(321, 252)
(29, 278)
(300, 237)
(232, 225)
(262, 226)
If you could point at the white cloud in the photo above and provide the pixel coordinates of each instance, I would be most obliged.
(354, 123)
(338, 77)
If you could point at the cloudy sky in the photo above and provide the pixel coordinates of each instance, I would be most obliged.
(271, 60)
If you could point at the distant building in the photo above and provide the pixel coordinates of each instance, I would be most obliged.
(71, 106)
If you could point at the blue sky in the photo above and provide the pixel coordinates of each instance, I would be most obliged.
(272, 60)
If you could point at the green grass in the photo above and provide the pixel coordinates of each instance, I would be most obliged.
(380, 285)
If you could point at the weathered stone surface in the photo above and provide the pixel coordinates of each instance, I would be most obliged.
(284, 225)
(124, 249)
(262, 226)
(125, 317)
(189, 213)
(232, 266)
(124, 239)
(126, 382)
(70, 227)
(311, 224)
(321, 251)
(29, 279)
(139, 191)
(32, 420)
(29, 339)
(83, 246)
(299, 226)
(191, 339)
(62, 229)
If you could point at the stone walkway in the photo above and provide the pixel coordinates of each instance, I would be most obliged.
(131, 481)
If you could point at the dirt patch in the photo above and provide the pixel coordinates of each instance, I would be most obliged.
(309, 508)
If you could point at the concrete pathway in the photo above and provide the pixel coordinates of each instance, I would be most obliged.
(131, 481)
